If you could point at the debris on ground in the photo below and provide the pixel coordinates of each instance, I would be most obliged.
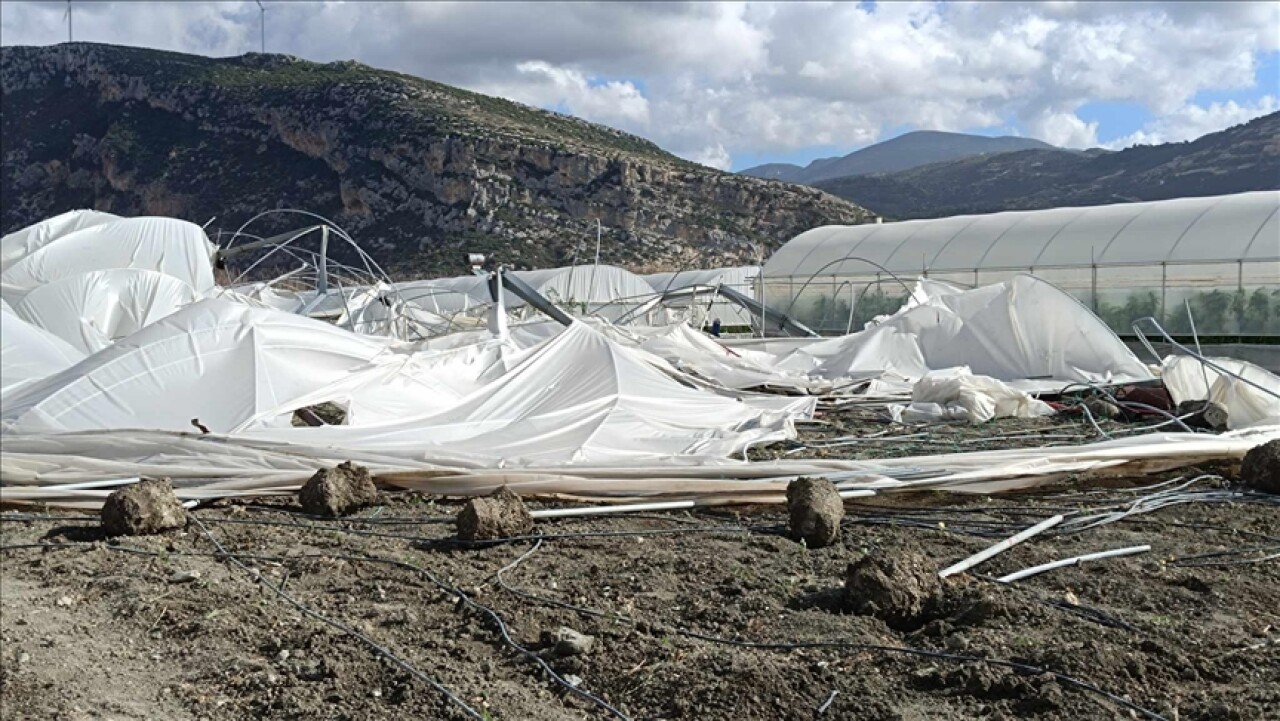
(564, 642)
(1101, 408)
(816, 511)
(1261, 468)
(901, 590)
(144, 508)
(499, 515)
(1203, 414)
(338, 491)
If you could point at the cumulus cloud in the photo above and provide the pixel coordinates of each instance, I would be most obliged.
(710, 80)
(1064, 129)
(614, 102)
(1192, 121)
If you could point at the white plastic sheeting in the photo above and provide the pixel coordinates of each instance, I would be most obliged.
(33, 467)
(1247, 405)
(1020, 329)
(21, 243)
(740, 278)
(29, 353)
(223, 363)
(92, 310)
(957, 394)
(237, 369)
(576, 398)
(165, 245)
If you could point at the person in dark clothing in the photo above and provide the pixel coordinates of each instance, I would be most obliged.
(715, 328)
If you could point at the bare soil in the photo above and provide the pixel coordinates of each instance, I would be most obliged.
(709, 615)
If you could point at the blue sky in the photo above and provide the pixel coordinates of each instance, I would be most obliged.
(1116, 119)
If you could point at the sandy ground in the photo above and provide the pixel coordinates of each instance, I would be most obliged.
(708, 615)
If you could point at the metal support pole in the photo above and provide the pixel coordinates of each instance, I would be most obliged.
(1164, 287)
(322, 277)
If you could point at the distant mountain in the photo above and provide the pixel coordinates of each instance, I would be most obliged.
(416, 170)
(904, 152)
(1245, 157)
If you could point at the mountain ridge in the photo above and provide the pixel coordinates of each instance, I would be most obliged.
(1241, 158)
(903, 152)
(416, 170)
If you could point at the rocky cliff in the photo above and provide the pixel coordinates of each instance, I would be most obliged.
(414, 170)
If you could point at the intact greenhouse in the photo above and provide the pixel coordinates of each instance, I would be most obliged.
(1218, 257)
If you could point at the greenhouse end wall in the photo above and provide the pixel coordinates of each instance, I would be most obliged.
(1218, 258)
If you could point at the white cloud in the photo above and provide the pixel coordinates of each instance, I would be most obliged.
(713, 156)
(708, 80)
(611, 102)
(1192, 121)
(1064, 129)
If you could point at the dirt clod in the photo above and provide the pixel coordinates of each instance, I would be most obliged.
(903, 591)
(338, 491)
(499, 515)
(143, 508)
(565, 641)
(1261, 468)
(816, 511)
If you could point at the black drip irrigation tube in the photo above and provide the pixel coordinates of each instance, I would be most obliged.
(1022, 668)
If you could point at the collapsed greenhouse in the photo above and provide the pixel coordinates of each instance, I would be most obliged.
(299, 427)
(588, 380)
(1218, 255)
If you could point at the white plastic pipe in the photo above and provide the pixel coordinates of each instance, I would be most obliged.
(1034, 570)
(86, 485)
(610, 510)
(1004, 545)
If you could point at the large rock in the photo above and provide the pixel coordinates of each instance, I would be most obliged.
(143, 508)
(902, 591)
(338, 491)
(816, 511)
(1261, 468)
(499, 515)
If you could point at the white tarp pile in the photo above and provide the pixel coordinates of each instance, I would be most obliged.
(242, 370)
(165, 245)
(1023, 329)
(958, 394)
(29, 353)
(1253, 401)
(955, 354)
(74, 284)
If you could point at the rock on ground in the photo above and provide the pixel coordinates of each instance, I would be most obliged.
(499, 515)
(565, 641)
(1203, 414)
(816, 511)
(143, 508)
(902, 591)
(338, 491)
(1261, 468)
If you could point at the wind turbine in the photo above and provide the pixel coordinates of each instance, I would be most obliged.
(263, 15)
(67, 17)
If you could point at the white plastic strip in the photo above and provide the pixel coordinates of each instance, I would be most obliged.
(1004, 545)
(1035, 570)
